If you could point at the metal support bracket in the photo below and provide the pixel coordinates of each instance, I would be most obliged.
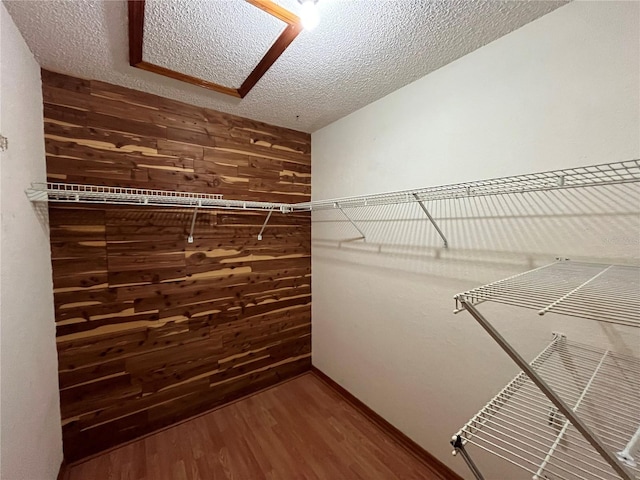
(538, 475)
(567, 411)
(352, 222)
(193, 224)
(433, 222)
(264, 224)
(625, 455)
(458, 446)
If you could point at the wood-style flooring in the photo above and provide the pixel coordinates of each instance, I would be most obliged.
(301, 429)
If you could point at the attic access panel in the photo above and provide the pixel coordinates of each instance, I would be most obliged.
(137, 9)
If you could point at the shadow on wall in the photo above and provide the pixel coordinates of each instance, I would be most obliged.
(487, 235)
(41, 209)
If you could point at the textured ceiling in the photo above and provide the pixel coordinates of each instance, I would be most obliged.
(361, 50)
(204, 35)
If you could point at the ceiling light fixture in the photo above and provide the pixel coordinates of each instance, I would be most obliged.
(309, 14)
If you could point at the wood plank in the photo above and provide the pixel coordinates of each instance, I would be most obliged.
(61, 96)
(166, 72)
(66, 82)
(104, 139)
(190, 137)
(279, 46)
(65, 114)
(92, 396)
(115, 321)
(178, 149)
(136, 29)
(124, 125)
(110, 156)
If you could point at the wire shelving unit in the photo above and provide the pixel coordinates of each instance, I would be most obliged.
(605, 293)
(573, 413)
(523, 427)
(579, 177)
(592, 176)
(596, 175)
(105, 195)
(75, 193)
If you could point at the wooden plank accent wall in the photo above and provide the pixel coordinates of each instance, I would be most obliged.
(151, 329)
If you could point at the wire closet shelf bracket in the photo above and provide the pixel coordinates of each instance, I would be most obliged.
(574, 411)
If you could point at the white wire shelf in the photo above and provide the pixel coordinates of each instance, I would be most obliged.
(605, 293)
(73, 193)
(521, 426)
(596, 175)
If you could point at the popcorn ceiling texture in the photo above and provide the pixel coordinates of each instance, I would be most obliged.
(361, 50)
(197, 37)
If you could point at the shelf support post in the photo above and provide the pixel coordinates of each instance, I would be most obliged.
(458, 446)
(352, 222)
(569, 414)
(264, 224)
(433, 222)
(564, 428)
(625, 455)
(193, 224)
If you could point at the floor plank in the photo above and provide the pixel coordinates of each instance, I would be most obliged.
(301, 429)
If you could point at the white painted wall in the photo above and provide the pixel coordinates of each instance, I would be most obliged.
(30, 412)
(562, 91)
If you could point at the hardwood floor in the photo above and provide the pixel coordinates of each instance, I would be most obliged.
(301, 429)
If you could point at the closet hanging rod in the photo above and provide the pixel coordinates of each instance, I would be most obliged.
(596, 175)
